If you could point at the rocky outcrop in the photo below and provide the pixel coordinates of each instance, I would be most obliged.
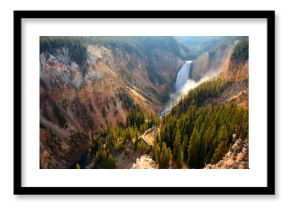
(78, 100)
(144, 162)
(236, 158)
(212, 62)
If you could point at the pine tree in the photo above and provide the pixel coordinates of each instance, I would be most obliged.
(222, 133)
(154, 152)
(111, 162)
(177, 144)
(169, 157)
(192, 149)
(184, 147)
(222, 144)
(157, 153)
(164, 158)
(180, 158)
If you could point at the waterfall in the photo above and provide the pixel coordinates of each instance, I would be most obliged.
(182, 81)
(207, 70)
(182, 76)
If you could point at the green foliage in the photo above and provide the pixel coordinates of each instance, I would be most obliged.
(101, 151)
(199, 134)
(177, 145)
(241, 51)
(194, 46)
(192, 135)
(127, 102)
(193, 148)
(206, 145)
(125, 43)
(76, 45)
(136, 117)
(165, 157)
(180, 158)
(111, 162)
(142, 147)
(201, 94)
(140, 45)
(114, 140)
(156, 152)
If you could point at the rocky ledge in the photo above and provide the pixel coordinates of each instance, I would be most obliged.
(236, 158)
(144, 162)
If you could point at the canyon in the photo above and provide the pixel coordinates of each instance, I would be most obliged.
(79, 99)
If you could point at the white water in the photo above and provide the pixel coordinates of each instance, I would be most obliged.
(182, 85)
(182, 76)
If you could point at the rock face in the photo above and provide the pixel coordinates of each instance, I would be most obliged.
(76, 101)
(209, 63)
(236, 158)
(144, 162)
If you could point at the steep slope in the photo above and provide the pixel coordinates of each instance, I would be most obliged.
(227, 64)
(236, 158)
(206, 122)
(80, 98)
(94, 92)
(213, 61)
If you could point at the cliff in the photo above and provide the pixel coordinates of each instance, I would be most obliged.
(80, 99)
(236, 158)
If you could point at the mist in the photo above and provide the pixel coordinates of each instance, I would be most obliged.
(184, 84)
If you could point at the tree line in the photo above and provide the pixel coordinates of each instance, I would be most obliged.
(195, 134)
(202, 94)
(241, 51)
(76, 46)
(114, 140)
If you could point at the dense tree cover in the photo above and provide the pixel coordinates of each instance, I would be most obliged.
(241, 51)
(201, 94)
(184, 47)
(76, 45)
(135, 117)
(193, 134)
(141, 45)
(194, 46)
(101, 154)
(199, 133)
(113, 140)
(125, 43)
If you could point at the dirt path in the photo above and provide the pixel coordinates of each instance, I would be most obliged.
(149, 136)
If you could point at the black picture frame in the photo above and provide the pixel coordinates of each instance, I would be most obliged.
(268, 190)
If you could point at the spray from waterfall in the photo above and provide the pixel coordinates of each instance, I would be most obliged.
(182, 76)
(184, 83)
